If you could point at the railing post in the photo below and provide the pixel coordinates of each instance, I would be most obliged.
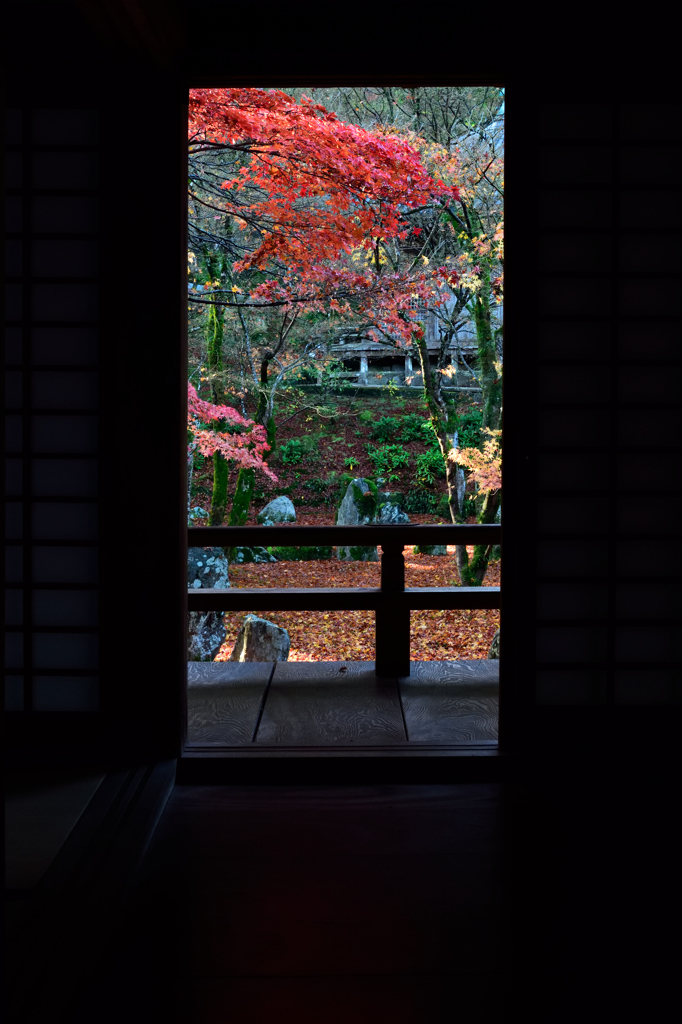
(392, 621)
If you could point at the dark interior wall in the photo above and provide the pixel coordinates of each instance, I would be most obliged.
(95, 126)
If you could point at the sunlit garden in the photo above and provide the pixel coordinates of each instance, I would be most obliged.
(345, 296)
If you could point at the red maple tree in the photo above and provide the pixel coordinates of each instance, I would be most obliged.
(246, 445)
(320, 200)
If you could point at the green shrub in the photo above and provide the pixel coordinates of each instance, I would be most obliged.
(301, 554)
(291, 451)
(294, 450)
(385, 429)
(420, 501)
(316, 486)
(387, 459)
(366, 416)
(430, 466)
(469, 430)
(443, 507)
(414, 427)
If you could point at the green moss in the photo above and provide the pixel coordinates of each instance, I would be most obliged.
(219, 495)
(301, 554)
(242, 497)
(368, 502)
(271, 431)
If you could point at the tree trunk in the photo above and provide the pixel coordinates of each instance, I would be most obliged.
(215, 368)
(491, 387)
(242, 497)
(491, 383)
(265, 411)
(219, 495)
(240, 503)
(190, 469)
(439, 420)
(472, 573)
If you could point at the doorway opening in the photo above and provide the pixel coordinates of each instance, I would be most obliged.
(345, 326)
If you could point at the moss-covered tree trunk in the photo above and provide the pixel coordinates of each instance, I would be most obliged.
(241, 502)
(265, 412)
(472, 572)
(215, 369)
(243, 493)
(221, 471)
(439, 414)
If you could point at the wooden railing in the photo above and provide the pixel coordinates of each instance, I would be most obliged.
(392, 602)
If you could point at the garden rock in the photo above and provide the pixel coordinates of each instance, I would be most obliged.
(494, 651)
(260, 640)
(430, 549)
(243, 555)
(207, 570)
(355, 510)
(205, 635)
(279, 510)
(390, 514)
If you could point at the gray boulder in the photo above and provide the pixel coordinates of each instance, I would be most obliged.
(260, 640)
(430, 549)
(390, 514)
(206, 570)
(242, 555)
(205, 635)
(494, 652)
(359, 507)
(279, 510)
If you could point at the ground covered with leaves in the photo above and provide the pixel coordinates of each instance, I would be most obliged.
(319, 448)
(341, 635)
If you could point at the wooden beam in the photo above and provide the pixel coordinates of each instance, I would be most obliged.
(341, 599)
(264, 536)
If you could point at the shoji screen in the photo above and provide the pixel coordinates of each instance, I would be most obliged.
(605, 358)
(51, 425)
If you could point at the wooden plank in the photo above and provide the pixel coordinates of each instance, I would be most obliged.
(224, 699)
(450, 701)
(410, 533)
(330, 702)
(340, 598)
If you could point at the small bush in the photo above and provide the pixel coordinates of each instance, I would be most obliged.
(294, 450)
(316, 486)
(366, 416)
(430, 466)
(386, 429)
(469, 430)
(443, 507)
(420, 501)
(387, 459)
(414, 428)
(301, 554)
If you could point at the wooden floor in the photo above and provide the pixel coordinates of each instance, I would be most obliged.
(314, 905)
(341, 705)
